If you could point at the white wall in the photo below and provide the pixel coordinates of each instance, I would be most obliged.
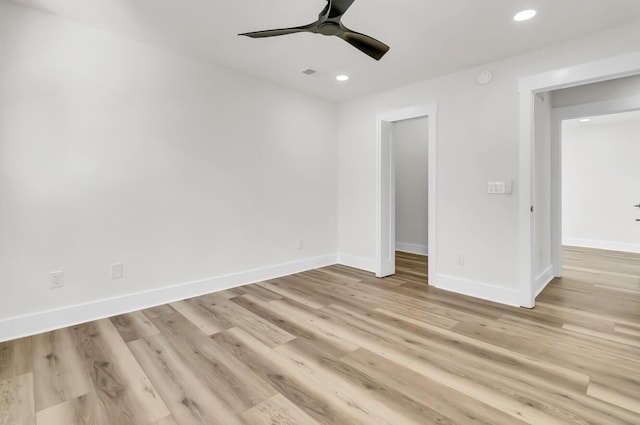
(477, 140)
(601, 183)
(411, 149)
(112, 151)
(618, 88)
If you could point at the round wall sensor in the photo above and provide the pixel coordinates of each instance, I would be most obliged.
(484, 78)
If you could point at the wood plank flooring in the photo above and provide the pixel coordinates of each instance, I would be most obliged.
(338, 346)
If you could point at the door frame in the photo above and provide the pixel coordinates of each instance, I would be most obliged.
(385, 203)
(593, 72)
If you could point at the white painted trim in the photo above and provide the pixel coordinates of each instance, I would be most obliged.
(556, 195)
(557, 116)
(602, 70)
(386, 211)
(607, 245)
(543, 279)
(482, 290)
(412, 248)
(18, 327)
(385, 224)
(366, 264)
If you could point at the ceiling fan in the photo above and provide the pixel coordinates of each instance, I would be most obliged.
(329, 23)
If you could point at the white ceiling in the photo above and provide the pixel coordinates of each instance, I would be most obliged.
(427, 37)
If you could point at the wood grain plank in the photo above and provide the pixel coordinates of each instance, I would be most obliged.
(304, 390)
(17, 406)
(325, 341)
(291, 292)
(625, 401)
(188, 399)
(56, 373)
(169, 420)
(158, 311)
(628, 330)
(459, 408)
(559, 375)
(492, 375)
(223, 374)
(627, 340)
(202, 318)
(260, 293)
(84, 410)
(420, 318)
(358, 388)
(15, 358)
(232, 315)
(125, 392)
(277, 410)
(134, 326)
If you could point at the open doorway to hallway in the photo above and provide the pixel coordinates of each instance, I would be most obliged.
(410, 140)
(424, 117)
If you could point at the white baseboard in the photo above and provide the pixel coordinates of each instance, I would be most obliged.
(608, 245)
(32, 324)
(476, 289)
(366, 264)
(543, 279)
(412, 248)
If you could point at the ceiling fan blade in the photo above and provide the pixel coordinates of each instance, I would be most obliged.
(369, 45)
(338, 7)
(282, 31)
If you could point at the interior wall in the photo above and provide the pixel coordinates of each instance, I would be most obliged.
(477, 141)
(601, 183)
(113, 151)
(542, 203)
(411, 149)
(618, 88)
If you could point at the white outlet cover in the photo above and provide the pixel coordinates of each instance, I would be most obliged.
(117, 271)
(56, 280)
(484, 78)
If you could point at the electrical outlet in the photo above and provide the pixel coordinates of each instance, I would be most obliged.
(117, 271)
(460, 259)
(56, 280)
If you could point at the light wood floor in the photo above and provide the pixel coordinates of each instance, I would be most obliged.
(337, 346)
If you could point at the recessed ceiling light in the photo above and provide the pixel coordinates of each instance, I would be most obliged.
(342, 77)
(585, 120)
(525, 15)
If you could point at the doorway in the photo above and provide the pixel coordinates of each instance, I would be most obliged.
(386, 190)
(597, 177)
(411, 152)
(530, 87)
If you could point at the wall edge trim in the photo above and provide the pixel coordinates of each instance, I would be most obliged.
(45, 321)
(362, 263)
(412, 248)
(476, 289)
(606, 245)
